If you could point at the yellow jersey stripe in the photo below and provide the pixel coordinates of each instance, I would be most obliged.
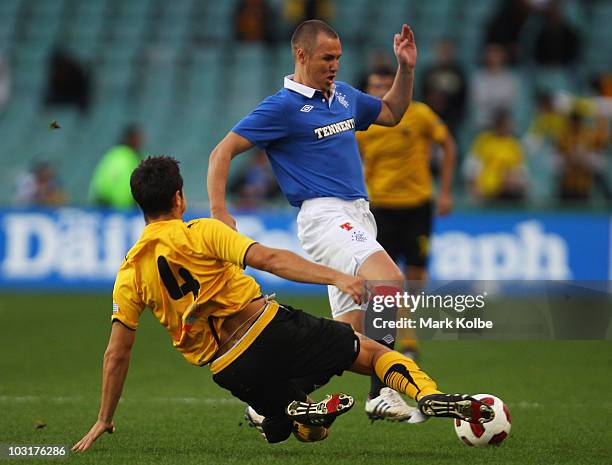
(243, 344)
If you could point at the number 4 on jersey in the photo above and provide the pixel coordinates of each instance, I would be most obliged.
(177, 292)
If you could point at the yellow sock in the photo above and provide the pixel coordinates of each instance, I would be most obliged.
(305, 433)
(404, 375)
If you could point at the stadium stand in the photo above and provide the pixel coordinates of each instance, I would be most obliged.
(174, 68)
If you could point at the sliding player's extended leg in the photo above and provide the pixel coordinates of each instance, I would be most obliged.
(404, 375)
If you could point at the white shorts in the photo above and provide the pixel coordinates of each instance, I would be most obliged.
(340, 234)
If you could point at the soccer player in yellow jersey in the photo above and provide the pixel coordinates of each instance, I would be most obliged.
(496, 165)
(399, 180)
(190, 276)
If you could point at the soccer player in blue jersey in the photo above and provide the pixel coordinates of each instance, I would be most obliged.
(308, 132)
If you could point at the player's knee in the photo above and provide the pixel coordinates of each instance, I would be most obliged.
(277, 429)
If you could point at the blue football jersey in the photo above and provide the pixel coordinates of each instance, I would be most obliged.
(310, 140)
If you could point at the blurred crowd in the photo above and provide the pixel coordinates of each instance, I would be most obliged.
(568, 135)
(567, 138)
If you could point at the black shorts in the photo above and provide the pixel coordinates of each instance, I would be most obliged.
(405, 232)
(293, 345)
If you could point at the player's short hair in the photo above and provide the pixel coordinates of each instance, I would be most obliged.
(154, 183)
(305, 35)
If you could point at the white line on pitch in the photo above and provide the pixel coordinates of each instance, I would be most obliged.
(71, 399)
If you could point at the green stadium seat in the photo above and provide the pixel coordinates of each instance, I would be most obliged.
(555, 79)
(85, 49)
(46, 9)
(8, 22)
(84, 27)
(171, 29)
(479, 10)
(349, 19)
(131, 8)
(10, 7)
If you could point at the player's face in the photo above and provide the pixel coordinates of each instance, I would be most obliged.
(323, 63)
(379, 85)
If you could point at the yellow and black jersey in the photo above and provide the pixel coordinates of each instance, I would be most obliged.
(574, 144)
(497, 155)
(190, 276)
(396, 159)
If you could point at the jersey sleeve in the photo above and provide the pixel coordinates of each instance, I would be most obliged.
(367, 109)
(477, 146)
(265, 124)
(127, 305)
(437, 129)
(222, 242)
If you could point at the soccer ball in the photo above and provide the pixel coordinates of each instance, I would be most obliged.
(491, 433)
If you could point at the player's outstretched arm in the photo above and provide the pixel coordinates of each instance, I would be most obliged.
(396, 101)
(218, 172)
(289, 265)
(114, 372)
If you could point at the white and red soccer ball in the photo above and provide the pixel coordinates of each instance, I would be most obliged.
(491, 433)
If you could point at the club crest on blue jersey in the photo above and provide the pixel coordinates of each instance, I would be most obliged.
(342, 99)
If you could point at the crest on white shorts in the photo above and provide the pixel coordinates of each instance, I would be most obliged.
(359, 236)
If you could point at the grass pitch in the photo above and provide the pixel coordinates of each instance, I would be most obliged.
(172, 413)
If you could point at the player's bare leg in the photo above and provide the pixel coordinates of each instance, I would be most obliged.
(404, 375)
(383, 402)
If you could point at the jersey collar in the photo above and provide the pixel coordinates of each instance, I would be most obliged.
(305, 90)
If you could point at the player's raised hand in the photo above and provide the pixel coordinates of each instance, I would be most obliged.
(352, 285)
(98, 429)
(404, 47)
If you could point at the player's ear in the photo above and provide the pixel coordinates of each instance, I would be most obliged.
(300, 55)
(177, 199)
(183, 201)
